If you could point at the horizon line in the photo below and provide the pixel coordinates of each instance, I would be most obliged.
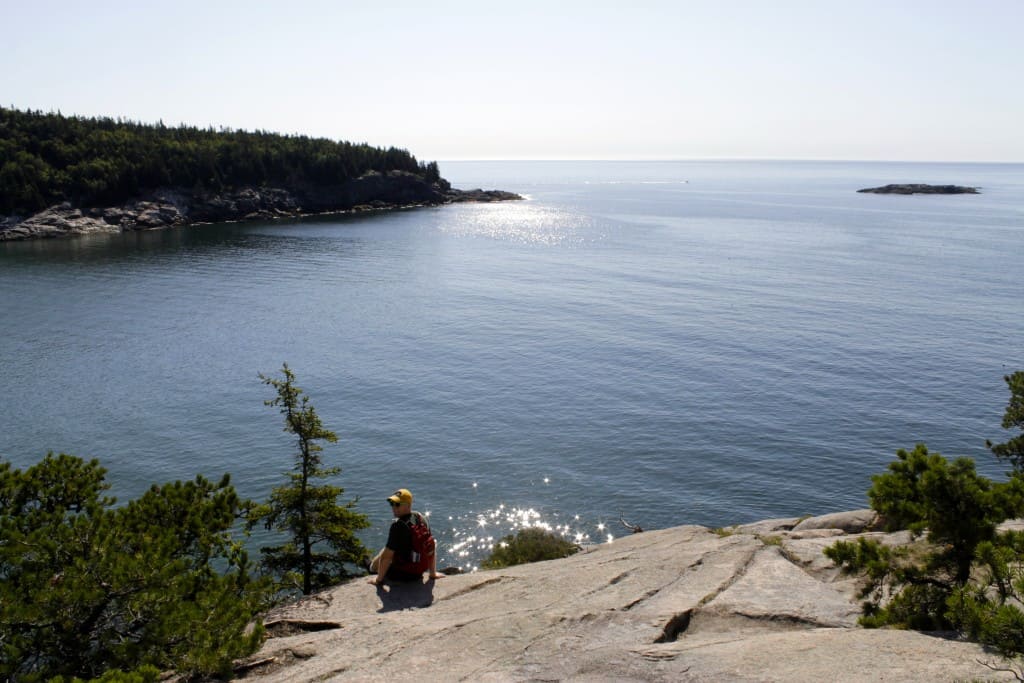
(720, 159)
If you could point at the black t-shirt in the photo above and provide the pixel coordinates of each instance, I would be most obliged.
(400, 537)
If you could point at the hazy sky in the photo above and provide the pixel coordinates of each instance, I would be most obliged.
(903, 80)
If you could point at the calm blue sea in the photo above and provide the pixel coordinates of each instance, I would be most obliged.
(705, 342)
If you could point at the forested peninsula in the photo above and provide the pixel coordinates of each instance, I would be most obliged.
(63, 175)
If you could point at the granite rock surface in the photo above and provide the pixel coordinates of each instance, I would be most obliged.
(747, 603)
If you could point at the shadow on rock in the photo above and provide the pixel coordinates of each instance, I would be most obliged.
(410, 595)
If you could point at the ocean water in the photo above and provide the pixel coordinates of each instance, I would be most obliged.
(670, 342)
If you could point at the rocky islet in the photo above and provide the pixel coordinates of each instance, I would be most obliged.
(919, 188)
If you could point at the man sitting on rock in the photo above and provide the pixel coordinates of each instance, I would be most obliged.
(410, 548)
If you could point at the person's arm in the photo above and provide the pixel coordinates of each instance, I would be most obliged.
(433, 567)
(386, 556)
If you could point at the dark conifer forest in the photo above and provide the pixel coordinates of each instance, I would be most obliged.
(51, 158)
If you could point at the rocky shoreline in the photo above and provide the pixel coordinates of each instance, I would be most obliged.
(755, 602)
(172, 207)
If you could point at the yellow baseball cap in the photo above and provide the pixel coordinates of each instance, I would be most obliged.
(400, 497)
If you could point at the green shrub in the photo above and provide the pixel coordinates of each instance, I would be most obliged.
(987, 609)
(87, 586)
(955, 507)
(967, 576)
(529, 545)
(144, 674)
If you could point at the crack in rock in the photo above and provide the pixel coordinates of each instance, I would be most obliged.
(783, 619)
(494, 663)
(680, 622)
(676, 626)
(281, 628)
(618, 578)
(474, 587)
(646, 596)
(264, 666)
(736, 576)
(654, 591)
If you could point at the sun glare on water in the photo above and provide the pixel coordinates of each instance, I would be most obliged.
(519, 221)
(475, 534)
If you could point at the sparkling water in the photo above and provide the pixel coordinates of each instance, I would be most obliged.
(670, 342)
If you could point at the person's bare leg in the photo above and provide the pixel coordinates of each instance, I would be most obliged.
(375, 562)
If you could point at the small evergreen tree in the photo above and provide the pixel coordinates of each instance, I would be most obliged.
(988, 608)
(955, 507)
(968, 576)
(87, 588)
(322, 545)
(1013, 449)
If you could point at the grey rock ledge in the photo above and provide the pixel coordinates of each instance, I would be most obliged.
(757, 602)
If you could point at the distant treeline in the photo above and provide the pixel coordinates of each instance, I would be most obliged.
(50, 158)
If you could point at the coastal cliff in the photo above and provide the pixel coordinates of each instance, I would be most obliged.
(171, 207)
(757, 602)
(67, 175)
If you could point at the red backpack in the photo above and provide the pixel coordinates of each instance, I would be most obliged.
(423, 546)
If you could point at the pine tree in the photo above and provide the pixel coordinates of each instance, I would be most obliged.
(969, 575)
(322, 547)
(86, 587)
(1013, 449)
